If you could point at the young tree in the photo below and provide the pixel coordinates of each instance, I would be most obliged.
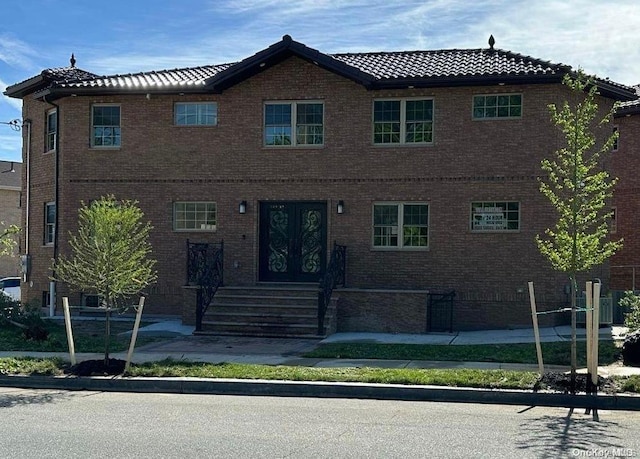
(110, 255)
(579, 188)
(7, 238)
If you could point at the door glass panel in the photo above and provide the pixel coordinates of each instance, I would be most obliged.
(311, 236)
(278, 239)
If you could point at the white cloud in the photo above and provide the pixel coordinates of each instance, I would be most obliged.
(598, 36)
(15, 103)
(10, 145)
(15, 52)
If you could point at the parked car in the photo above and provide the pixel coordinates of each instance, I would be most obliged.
(10, 286)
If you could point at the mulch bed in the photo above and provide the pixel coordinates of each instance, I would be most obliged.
(97, 368)
(561, 382)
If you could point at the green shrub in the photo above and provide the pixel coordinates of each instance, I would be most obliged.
(631, 302)
(24, 317)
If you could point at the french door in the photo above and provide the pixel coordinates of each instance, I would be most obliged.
(293, 241)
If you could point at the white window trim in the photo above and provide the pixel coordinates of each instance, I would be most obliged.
(294, 113)
(400, 246)
(403, 121)
(495, 118)
(489, 231)
(204, 228)
(47, 225)
(49, 113)
(92, 137)
(215, 104)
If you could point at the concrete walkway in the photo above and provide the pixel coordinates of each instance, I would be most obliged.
(177, 342)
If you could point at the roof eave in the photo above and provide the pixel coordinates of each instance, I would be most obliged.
(59, 93)
(606, 89)
(627, 111)
(19, 90)
(465, 80)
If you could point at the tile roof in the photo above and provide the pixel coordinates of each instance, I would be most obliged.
(449, 63)
(68, 74)
(161, 79)
(448, 67)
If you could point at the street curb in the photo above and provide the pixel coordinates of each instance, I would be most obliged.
(321, 390)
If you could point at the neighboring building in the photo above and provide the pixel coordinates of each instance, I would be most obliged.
(424, 164)
(10, 211)
(625, 165)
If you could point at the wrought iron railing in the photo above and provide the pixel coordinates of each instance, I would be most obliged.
(204, 270)
(334, 276)
(440, 310)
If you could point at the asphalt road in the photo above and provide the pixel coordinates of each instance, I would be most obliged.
(56, 424)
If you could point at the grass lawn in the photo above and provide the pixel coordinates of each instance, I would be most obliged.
(493, 379)
(88, 336)
(170, 368)
(556, 353)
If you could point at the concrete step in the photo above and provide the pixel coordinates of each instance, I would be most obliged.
(266, 310)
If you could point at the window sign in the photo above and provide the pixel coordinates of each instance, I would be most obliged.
(495, 216)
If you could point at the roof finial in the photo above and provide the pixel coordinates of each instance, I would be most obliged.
(72, 60)
(492, 41)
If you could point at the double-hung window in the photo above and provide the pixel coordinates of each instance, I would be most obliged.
(294, 123)
(49, 223)
(403, 121)
(497, 106)
(51, 130)
(401, 225)
(491, 216)
(194, 216)
(105, 126)
(196, 114)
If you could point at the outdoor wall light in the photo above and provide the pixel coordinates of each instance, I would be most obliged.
(340, 207)
(243, 207)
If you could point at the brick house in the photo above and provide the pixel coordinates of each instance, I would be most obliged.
(625, 163)
(10, 212)
(423, 164)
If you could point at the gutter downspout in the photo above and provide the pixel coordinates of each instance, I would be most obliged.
(52, 283)
(27, 123)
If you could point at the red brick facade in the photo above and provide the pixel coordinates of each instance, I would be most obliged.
(159, 163)
(625, 164)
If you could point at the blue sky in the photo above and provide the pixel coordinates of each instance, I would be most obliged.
(118, 36)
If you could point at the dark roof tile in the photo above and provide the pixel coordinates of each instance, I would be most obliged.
(448, 63)
(374, 70)
(159, 79)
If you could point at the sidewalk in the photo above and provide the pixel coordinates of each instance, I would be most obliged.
(179, 343)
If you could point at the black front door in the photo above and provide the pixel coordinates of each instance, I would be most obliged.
(293, 241)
